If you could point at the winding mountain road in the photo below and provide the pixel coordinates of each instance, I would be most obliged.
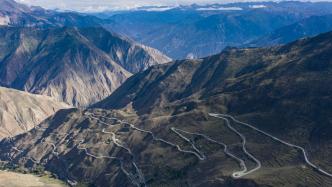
(244, 141)
(152, 134)
(241, 162)
(305, 154)
(137, 177)
(201, 155)
(197, 152)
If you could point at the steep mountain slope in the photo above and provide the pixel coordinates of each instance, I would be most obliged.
(76, 65)
(270, 80)
(156, 130)
(308, 27)
(21, 111)
(131, 56)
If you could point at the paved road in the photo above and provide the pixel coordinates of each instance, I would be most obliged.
(153, 136)
(197, 152)
(241, 162)
(305, 154)
(244, 148)
(137, 179)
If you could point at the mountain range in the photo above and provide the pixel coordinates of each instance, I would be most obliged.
(81, 102)
(157, 128)
(197, 31)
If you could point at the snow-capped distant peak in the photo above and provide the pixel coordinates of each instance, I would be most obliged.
(159, 9)
(257, 6)
(155, 8)
(219, 8)
(4, 20)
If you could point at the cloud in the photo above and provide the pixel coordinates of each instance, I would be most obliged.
(102, 5)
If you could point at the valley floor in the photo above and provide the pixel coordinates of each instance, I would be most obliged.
(24, 180)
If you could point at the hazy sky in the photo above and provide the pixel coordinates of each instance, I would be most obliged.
(101, 5)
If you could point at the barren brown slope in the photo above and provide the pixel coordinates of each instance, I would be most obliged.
(21, 111)
(79, 66)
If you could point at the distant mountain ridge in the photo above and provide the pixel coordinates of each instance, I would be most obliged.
(197, 31)
(20, 15)
(311, 26)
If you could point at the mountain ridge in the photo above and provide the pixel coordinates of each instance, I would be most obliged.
(60, 62)
(304, 28)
